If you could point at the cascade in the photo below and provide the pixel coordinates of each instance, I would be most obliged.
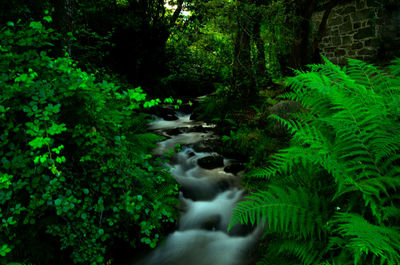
(208, 197)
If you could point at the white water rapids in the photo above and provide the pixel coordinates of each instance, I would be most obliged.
(201, 238)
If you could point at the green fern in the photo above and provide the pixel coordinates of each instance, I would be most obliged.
(344, 153)
(278, 209)
(307, 253)
(364, 237)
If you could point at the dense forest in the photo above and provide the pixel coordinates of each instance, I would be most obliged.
(204, 132)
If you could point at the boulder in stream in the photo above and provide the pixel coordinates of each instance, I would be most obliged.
(211, 162)
(170, 117)
(173, 132)
(198, 128)
(203, 146)
(234, 168)
(211, 223)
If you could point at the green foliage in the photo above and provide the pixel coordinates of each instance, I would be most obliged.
(278, 34)
(336, 188)
(76, 172)
(200, 49)
(249, 142)
(190, 67)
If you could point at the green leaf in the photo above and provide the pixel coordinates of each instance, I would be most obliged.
(36, 25)
(57, 202)
(4, 250)
(48, 19)
(84, 216)
(21, 78)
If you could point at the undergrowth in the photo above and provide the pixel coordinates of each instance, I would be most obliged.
(76, 170)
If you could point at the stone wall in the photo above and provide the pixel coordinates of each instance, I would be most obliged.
(362, 30)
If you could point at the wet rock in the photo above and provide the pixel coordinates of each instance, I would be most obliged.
(170, 117)
(198, 128)
(174, 131)
(203, 146)
(234, 168)
(211, 223)
(167, 114)
(196, 194)
(211, 162)
(224, 185)
(241, 230)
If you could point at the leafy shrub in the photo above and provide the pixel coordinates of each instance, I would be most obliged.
(76, 174)
(333, 195)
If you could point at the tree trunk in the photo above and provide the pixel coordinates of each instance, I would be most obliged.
(243, 79)
(176, 13)
(262, 76)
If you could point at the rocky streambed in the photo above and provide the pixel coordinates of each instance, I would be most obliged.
(210, 187)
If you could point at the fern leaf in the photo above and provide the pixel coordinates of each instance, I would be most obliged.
(282, 210)
(307, 253)
(363, 237)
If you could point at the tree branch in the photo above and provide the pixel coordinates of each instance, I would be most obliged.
(176, 13)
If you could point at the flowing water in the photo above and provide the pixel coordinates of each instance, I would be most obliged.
(208, 198)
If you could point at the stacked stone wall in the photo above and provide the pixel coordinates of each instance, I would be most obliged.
(360, 29)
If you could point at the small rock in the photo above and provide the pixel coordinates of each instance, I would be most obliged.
(241, 230)
(162, 112)
(196, 194)
(211, 223)
(234, 168)
(198, 128)
(211, 162)
(172, 132)
(170, 117)
(224, 185)
(202, 146)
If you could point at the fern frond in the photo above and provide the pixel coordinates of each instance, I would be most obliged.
(289, 210)
(363, 237)
(306, 252)
(391, 212)
(395, 67)
(272, 258)
(283, 162)
(350, 131)
(265, 173)
(368, 75)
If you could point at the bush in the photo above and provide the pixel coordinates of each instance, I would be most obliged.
(76, 171)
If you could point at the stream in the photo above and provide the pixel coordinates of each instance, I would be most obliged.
(207, 197)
